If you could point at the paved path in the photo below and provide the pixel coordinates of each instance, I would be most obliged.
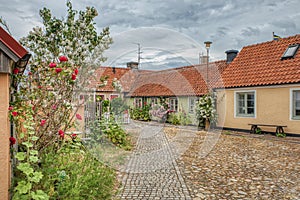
(151, 171)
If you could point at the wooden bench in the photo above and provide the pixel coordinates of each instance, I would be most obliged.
(254, 128)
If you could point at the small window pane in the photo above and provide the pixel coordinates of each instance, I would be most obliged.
(290, 51)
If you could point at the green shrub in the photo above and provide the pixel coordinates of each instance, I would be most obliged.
(141, 114)
(72, 173)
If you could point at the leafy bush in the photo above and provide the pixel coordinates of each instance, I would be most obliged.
(142, 114)
(72, 173)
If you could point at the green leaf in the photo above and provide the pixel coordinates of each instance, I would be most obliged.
(34, 152)
(23, 187)
(21, 156)
(33, 159)
(39, 195)
(25, 168)
(21, 135)
(37, 176)
(28, 144)
(34, 138)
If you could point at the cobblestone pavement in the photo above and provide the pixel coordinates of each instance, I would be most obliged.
(168, 163)
(151, 171)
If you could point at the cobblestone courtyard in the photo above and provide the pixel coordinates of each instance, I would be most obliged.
(166, 164)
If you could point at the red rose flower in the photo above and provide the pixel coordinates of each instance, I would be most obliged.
(78, 117)
(74, 135)
(16, 71)
(63, 59)
(76, 71)
(10, 108)
(29, 73)
(58, 70)
(14, 113)
(73, 77)
(40, 87)
(12, 141)
(52, 65)
(61, 133)
(43, 122)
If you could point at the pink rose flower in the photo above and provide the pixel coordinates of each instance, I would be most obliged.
(73, 77)
(52, 65)
(78, 117)
(10, 108)
(63, 59)
(58, 70)
(14, 113)
(43, 122)
(61, 133)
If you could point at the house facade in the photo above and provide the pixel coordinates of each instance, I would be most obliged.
(180, 88)
(262, 86)
(13, 59)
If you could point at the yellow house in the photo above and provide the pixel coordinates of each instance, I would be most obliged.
(13, 59)
(262, 86)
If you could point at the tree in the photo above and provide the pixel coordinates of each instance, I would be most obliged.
(43, 106)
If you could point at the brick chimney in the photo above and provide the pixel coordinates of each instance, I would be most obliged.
(203, 59)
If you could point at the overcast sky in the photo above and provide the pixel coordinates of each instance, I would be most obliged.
(171, 32)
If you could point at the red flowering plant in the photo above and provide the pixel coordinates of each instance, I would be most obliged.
(44, 108)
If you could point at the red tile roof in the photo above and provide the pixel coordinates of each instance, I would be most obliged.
(183, 81)
(261, 64)
(12, 44)
(126, 76)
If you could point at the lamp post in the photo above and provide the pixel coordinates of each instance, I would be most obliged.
(207, 46)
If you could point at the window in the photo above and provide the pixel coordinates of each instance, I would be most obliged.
(138, 102)
(174, 104)
(154, 101)
(112, 96)
(245, 104)
(99, 98)
(192, 103)
(295, 104)
(290, 52)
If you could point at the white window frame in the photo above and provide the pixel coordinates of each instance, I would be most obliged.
(236, 115)
(192, 107)
(173, 107)
(154, 100)
(136, 102)
(292, 117)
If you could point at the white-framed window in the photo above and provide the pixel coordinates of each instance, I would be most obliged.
(138, 102)
(295, 104)
(245, 103)
(192, 104)
(154, 101)
(173, 104)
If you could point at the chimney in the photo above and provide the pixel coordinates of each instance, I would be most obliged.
(231, 54)
(203, 59)
(133, 65)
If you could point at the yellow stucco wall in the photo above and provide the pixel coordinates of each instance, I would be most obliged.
(272, 107)
(4, 137)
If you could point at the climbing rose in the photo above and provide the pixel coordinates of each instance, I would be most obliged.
(61, 133)
(52, 65)
(63, 59)
(73, 77)
(10, 108)
(29, 73)
(58, 70)
(78, 117)
(12, 141)
(76, 71)
(16, 71)
(54, 107)
(43, 122)
(74, 135)
(14, 113)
